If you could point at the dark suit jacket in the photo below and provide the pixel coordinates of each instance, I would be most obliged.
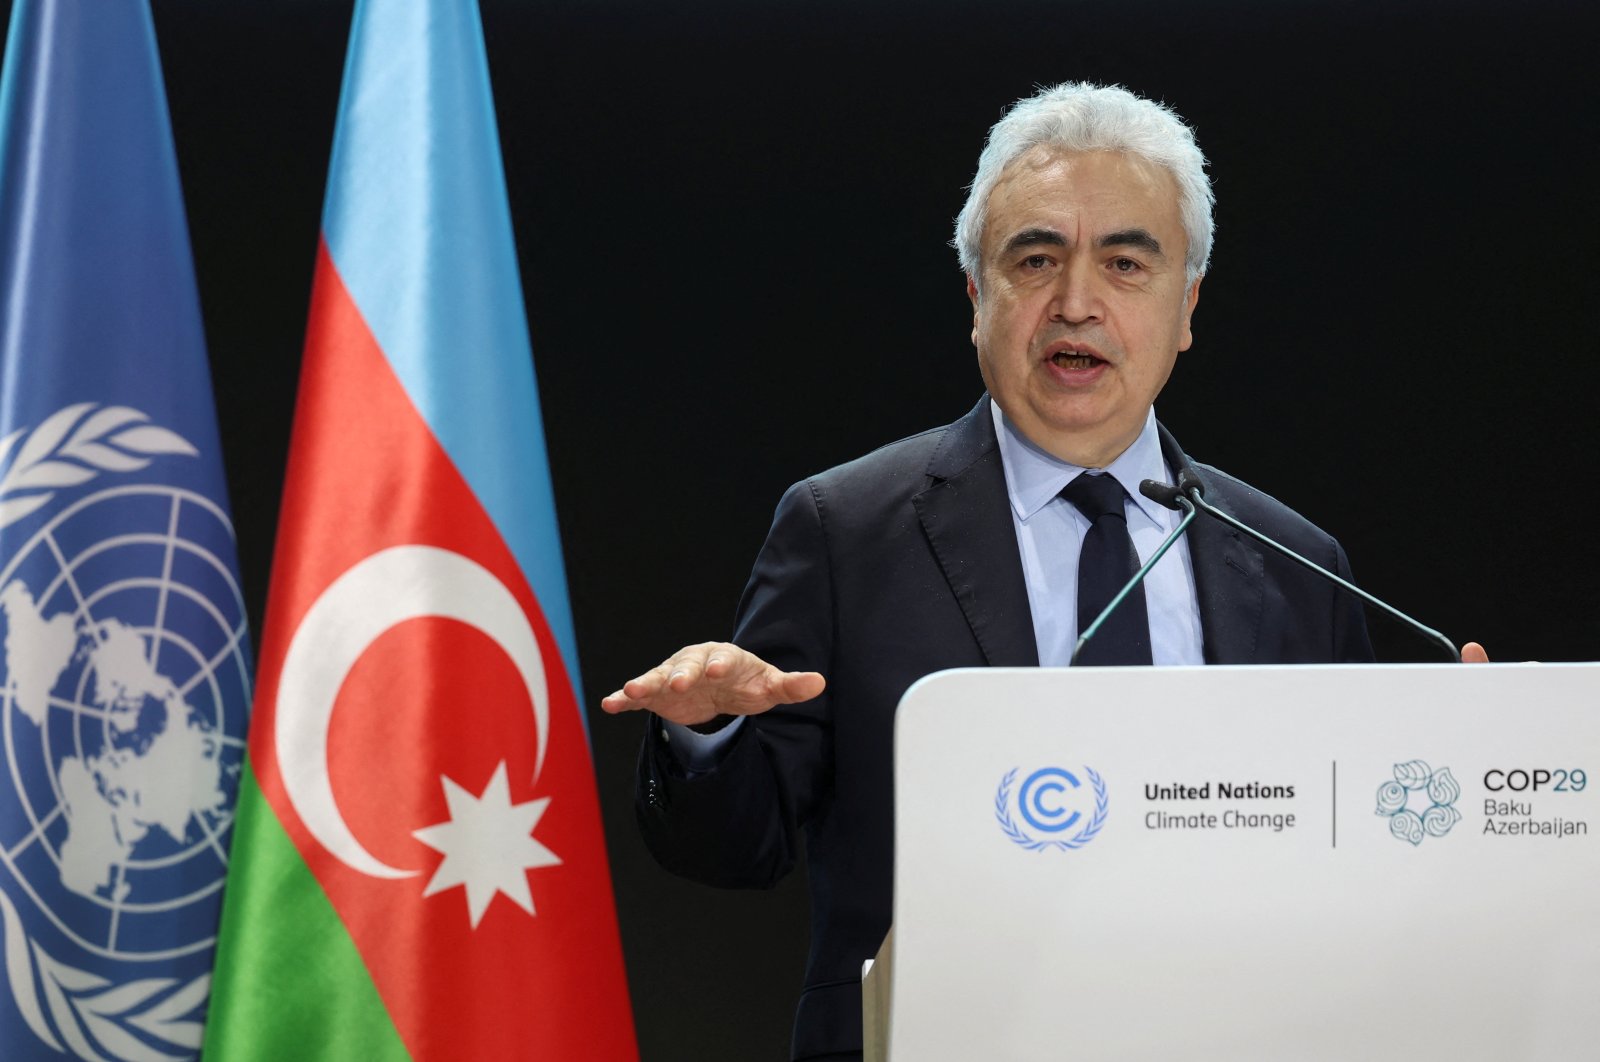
(876, 573)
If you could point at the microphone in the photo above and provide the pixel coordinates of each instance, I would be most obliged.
(1190, 484)
(1163, 494)
(1173, 498)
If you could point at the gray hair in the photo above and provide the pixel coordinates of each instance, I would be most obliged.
(1079, 116)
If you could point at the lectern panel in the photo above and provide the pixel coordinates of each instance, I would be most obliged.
(1249, 863)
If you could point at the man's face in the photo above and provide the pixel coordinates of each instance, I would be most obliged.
(1083, 306)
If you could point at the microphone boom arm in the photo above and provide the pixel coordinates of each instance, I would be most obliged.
(1194, 493)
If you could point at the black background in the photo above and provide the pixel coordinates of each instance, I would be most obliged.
(732, 221)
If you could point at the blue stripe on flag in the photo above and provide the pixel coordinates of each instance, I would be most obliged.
(418, 225)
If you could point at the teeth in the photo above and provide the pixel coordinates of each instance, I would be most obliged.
(1068, 360)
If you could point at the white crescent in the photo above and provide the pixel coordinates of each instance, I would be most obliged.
(382, 590)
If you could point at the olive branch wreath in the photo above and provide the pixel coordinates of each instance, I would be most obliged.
(92, 1016)
(1002, 814)
(74, 445)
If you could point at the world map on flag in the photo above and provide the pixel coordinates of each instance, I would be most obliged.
(124, 688)
(124, 693)
(159, 769)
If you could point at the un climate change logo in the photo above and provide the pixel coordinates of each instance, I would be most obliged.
(124, 688)
(1434, 794)
(1052, 801)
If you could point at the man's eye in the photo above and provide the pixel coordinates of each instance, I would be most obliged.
(1036, 261)
(1124, 265)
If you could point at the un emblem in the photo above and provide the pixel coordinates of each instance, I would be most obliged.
(124, 689)
(1052, 801)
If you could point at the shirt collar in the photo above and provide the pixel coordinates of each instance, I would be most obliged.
(1034, 477)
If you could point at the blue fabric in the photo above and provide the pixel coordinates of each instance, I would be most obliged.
(124, 674)
(95, 271)
(418, 226)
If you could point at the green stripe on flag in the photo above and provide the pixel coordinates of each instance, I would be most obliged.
(289, 982)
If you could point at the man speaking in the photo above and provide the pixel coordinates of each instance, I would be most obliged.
(990, 541)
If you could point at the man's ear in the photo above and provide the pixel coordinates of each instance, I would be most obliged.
(1186, 336)
(972, 294)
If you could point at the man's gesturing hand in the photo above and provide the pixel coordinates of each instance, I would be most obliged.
(700, 682)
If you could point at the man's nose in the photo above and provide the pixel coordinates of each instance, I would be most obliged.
(1077, 294)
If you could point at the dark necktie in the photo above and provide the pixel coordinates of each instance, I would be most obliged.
(1106, 564)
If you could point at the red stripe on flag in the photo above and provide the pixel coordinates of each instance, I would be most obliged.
(434, 698)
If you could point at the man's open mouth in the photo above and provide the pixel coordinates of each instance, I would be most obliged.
(1070, 359)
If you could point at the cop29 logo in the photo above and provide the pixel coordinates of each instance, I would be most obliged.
(1419, 802)
(1051, 801)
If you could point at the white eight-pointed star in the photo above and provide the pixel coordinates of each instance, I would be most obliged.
(488, 845)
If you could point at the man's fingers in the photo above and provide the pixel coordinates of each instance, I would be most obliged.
(719, 664)
(1474, 653)
(669, 674)
(707, 662)
(677, 674)
(618, 702)
(685, 671)
(792, 687)
(698, 681)
(648, 684)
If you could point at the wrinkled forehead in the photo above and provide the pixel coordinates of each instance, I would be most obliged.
(1129, 189)
(1045, 176)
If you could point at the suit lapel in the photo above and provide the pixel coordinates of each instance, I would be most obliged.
(966, 515)
(1229, 576)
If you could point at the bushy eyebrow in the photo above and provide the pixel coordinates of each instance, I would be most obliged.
(1135, 238)
(1034, 238)
(1138, 239)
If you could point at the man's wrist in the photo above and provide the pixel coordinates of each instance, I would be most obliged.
(698, 753)
(711, 726)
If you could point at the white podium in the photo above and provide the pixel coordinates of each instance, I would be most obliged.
(1351, 863)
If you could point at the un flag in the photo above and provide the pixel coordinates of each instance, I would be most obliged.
(124, 675)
